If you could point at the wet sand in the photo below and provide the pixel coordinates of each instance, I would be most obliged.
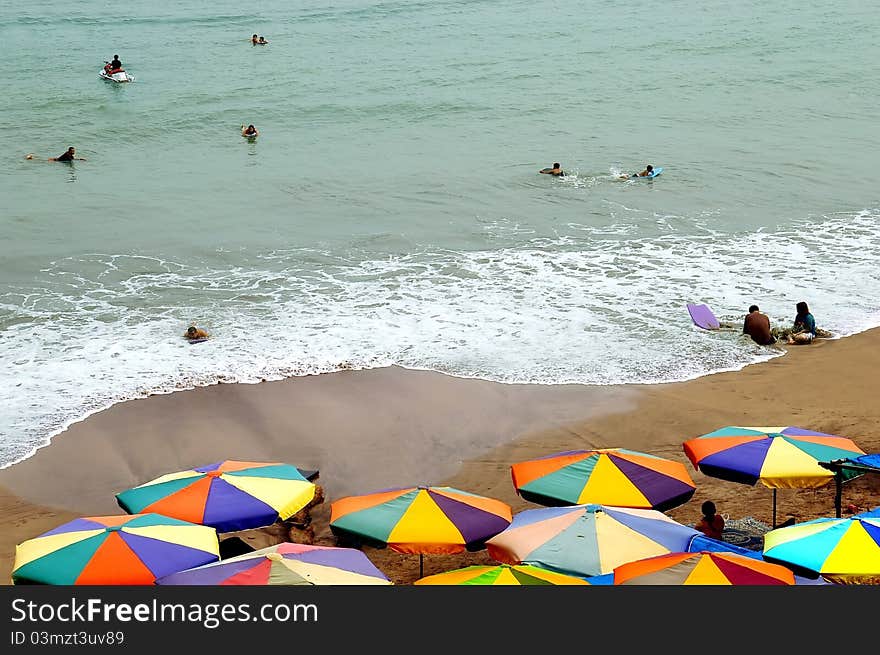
(369, 430)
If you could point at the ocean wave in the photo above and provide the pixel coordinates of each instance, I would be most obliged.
(596, 306)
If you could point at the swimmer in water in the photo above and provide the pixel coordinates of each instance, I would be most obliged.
(193, 333)
(556, 170)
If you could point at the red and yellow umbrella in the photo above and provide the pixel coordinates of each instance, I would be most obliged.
(702, 568)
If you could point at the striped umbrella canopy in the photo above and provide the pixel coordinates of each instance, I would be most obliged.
(777, 457)
(607, 476)
(702, 568)
(588, 540)
(843, 551)
(502, 574)
(114, 550)
(228, 495)
(286, 564)
(423, 520)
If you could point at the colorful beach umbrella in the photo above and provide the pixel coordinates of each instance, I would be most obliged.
(114, 550)
(286, 564)
(502, 574)
(843, 551)
(588, 540)
(423, 520)
(778, 457)
(702, 568)
(228, 495)
(607, 476)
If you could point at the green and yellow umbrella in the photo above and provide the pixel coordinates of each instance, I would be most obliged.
(228, 495)
(605, 476)
(114, 550)
(502, 574)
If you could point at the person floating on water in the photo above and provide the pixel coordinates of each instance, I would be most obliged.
(556, 170)
(645, 173)
(250, 130)
(67, 155)
(757, 326)
(262, 41)
(194, 333)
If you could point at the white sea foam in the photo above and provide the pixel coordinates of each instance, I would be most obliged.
(594, 306)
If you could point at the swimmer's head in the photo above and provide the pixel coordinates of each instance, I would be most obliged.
(649, 168)
(556, 165)
(191, 330)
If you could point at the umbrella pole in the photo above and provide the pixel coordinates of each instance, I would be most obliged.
(838, 493)
(774, 508)
(421, 565)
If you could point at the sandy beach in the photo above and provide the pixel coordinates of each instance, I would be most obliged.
(368, 430)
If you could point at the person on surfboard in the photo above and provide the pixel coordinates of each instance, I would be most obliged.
(556, 170)
(193, 332)
(645, 173)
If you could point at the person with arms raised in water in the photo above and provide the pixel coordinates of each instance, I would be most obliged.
(757, 326)
(556, 170)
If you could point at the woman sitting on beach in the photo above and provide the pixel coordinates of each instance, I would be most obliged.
(804, 329)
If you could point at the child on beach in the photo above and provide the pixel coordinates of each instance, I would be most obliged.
(711, 524)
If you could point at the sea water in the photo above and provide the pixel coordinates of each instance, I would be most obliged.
(391, 210)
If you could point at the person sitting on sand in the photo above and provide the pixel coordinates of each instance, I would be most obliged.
(757, 326)
(555, 170)
(255, 40)
(804, 328)
(711, 524)
(192, 332)
(645, 173)
(250, 130)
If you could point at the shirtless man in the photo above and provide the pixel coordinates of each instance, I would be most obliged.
(193, 332)
(757, 326)
(556, 170)
(645, 173)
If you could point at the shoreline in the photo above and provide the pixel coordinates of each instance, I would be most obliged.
(380, 428)
(221, 379)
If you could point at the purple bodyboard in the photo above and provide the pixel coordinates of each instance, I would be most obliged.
(703, 317)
